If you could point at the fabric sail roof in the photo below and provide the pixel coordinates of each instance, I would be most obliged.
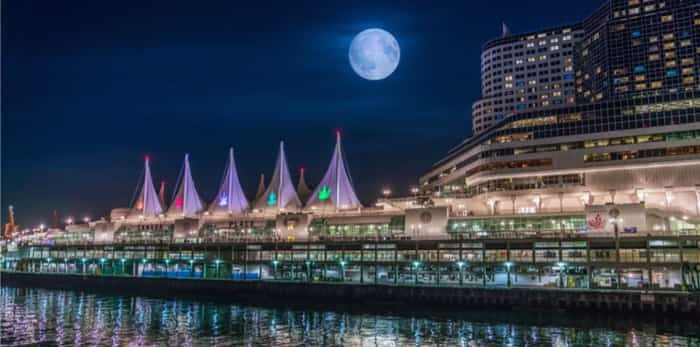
(336, 187)
(280, 192)
(147, 204)
(230, 197)
(186, 199)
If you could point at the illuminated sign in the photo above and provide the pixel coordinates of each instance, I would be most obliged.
(223, 200)
(272, 199)
(324, 194)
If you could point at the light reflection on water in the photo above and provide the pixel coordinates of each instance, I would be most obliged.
(73, 318)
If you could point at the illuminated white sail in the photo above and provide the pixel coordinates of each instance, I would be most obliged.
(336, 188)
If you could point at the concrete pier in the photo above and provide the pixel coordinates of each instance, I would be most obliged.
(675, 303)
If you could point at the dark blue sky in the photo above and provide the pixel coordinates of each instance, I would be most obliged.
(89, 87)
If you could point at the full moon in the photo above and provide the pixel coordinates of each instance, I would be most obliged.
(374, 54)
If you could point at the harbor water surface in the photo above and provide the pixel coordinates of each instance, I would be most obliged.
(84, 318)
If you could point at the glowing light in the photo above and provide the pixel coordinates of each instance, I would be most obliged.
(178, 202)
(324, 194)
(272, 199)
(223, 200)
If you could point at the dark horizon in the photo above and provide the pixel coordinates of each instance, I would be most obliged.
(90, 87)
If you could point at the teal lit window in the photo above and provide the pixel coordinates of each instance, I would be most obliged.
(640, 69)
(672, 73)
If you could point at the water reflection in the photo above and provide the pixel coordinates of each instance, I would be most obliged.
(71, 318)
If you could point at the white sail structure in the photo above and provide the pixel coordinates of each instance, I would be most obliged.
(230, 197)
(147, 203)
(336, 188)
(280, 193)
(186, 201)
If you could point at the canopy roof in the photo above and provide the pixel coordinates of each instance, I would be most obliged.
(230, 197)
(280, 193)
(186, 199)
(336, 187)
(147, 203)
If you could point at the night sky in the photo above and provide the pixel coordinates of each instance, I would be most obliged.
(89, 87)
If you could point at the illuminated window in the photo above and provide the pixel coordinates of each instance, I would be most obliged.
(654, 57)
(666, 18)
(656, 84)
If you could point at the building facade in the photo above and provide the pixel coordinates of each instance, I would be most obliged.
(625, 49)
(521, 73)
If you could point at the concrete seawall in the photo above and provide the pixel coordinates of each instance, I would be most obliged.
(685, 304)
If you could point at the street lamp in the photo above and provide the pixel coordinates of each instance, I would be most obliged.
(416, 265)
(274, 268)
(217, 262)
(460, 265)
(508, 265)
(308, 271)
(386, 192)
(342, 269)
(562, 267)
(69, 220)
(86, 219)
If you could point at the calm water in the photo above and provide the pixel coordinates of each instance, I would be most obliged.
(75, 318)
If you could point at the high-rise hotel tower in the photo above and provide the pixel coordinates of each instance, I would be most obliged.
(603, 112)
(626, 49)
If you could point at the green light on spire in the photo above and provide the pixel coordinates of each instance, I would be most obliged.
(324, 194)
(272, 199)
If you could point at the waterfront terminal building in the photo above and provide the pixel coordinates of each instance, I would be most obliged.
(598, 191)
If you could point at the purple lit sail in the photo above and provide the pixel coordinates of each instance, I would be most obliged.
(336, 188)
(186, 200)
(230, 197)
(280, 193)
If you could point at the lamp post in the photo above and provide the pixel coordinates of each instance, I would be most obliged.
(562, 268)
(217, 262)
(123, 261)
(460, 266)
(342, 270)
(386, 192)
(102, 263)
(416, 266)
(508, 265)
(308, 271)
(274, 268)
